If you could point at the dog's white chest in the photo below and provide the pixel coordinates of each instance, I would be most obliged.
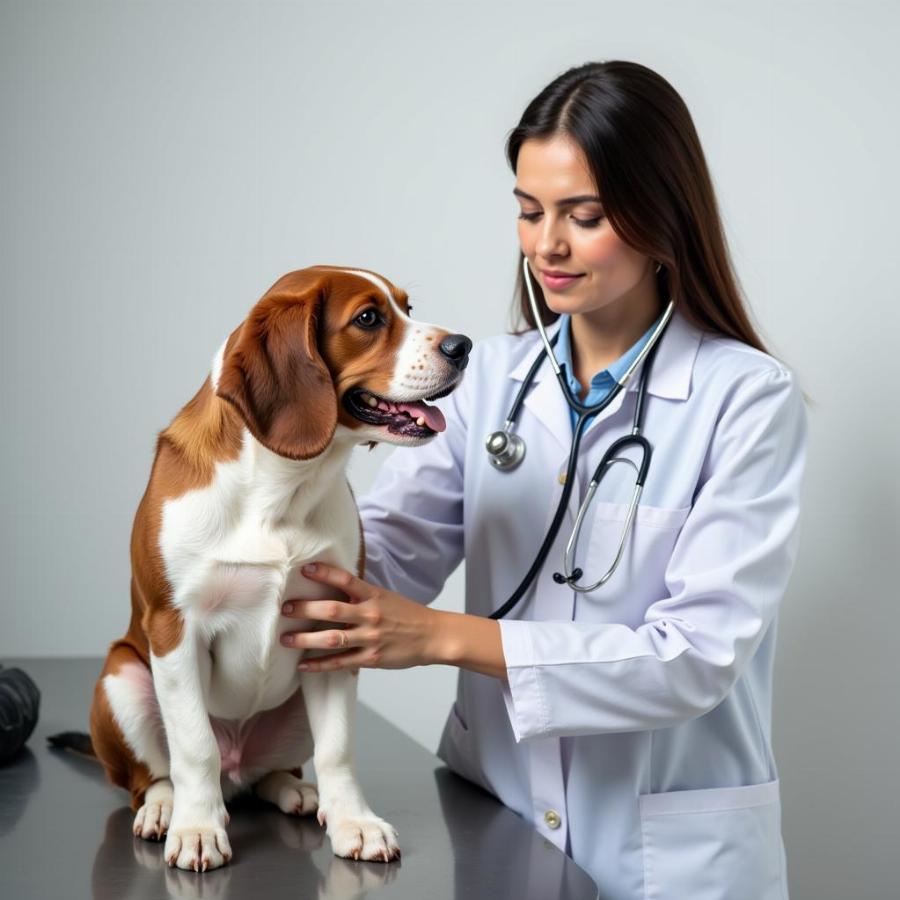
(232, 564)
(240, 609)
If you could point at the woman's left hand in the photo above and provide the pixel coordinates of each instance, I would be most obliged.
(376, 628)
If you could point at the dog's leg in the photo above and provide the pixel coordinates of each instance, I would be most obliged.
(128, 738)
(132, 702)
(196, 839)
(354, 830)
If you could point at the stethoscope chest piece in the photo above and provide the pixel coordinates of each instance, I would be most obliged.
(505, 449)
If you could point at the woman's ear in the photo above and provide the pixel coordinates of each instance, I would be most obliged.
(274, 375)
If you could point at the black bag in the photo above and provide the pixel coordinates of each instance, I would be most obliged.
(19, 703)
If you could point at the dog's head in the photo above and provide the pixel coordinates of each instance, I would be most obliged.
(329, 346)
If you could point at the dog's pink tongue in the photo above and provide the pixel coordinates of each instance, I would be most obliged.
(434, 418)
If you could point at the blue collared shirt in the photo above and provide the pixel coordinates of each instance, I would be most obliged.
(604, 381)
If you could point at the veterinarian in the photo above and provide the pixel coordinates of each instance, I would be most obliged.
(630, 723)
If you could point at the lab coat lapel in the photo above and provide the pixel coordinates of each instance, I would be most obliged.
(670, 378)
(544, 399)
(547, 403)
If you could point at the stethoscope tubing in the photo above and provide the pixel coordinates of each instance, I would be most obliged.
(584, 413)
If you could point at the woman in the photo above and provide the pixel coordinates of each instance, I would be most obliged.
(630, 724)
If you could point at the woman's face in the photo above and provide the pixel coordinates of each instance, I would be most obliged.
(562, 229)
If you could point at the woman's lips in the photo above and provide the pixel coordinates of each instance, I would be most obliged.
(557, 282)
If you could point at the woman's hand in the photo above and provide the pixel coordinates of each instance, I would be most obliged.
(379, 629)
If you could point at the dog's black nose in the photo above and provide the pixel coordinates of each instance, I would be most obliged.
(456, 348)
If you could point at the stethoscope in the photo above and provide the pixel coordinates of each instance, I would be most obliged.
(506, 451)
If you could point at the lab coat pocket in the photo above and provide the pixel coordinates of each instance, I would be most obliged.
(639, 578)
(714, 844)
(663, 517)
(457, 750)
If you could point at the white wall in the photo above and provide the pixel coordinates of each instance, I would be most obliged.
(163, 163)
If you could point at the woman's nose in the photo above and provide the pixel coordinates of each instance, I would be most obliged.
(549, 243)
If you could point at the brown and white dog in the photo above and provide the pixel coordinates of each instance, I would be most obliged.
(199, 699)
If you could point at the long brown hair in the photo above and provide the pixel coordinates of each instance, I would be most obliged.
(643, 150)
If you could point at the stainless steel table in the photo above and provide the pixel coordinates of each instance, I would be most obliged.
(65, 832)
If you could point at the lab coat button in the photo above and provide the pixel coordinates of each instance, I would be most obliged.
(551, 817)
(561, 478)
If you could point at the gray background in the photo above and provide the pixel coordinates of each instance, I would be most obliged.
(163, 164)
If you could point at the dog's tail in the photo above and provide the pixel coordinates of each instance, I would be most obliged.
(76, 741)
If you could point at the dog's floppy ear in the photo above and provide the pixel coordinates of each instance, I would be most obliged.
(275, 377)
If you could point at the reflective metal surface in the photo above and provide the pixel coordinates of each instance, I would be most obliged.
(65, 832)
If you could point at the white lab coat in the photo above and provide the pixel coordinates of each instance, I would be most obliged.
(639, 713)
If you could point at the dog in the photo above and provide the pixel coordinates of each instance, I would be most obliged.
(199, 700)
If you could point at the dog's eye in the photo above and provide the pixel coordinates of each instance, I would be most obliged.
(368, 318)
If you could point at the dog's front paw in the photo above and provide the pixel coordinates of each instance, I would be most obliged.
(152, 819)
(197, 848)
(363, 837)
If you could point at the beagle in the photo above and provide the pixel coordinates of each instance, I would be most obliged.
(199, 699)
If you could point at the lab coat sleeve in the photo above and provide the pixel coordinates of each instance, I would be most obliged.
(726, 575)
(412, 515)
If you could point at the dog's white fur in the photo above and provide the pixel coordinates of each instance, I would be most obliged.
(232, 552)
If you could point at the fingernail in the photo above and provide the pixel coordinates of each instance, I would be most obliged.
(287, 608)
(309, 567)
(303, 667)
(287, 639)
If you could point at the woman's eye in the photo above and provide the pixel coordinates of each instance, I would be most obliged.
(583, 223)
(368, 318)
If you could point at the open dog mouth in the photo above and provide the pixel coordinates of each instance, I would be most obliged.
(410, 418)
